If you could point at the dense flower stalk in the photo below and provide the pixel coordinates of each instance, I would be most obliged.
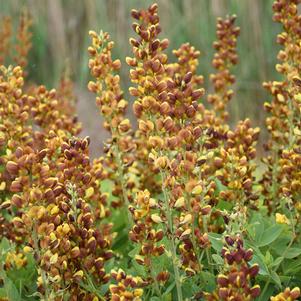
(23, 40)
(281, 181)
(235, 281)
(287, 295)
(112, 106)
(5, 36)
(224, 58)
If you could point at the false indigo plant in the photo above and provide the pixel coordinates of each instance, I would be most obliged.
(173, 209)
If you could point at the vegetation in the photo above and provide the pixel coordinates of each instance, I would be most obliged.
(174, 209)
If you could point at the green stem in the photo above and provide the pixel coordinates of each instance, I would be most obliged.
(121, 176)
(92, 287)
(172, 241)
(157, 288)
(43, 274)
(265, 287)
(274, 179)
(121, 179)
(193, 238)
(208, 251)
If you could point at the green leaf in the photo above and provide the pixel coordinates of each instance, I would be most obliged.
(140, 269)
(169, 289)
(134, 251)
(216, 241)
(220, 187)
(208, 281)
(268, 258)
(256, 227)
(218, 259)
(293, 267)
(154, 299)
(259, 258)
(270, 235)
(276, 262)
(280, 245)
(2, 292)
(292, 253)
(189, 288)
(223, 205)
(5, 246)
(10, 289)
(276, 278)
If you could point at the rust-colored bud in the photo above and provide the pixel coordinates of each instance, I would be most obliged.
(159, 235)
(124, 126)
(218, 162)
(12, 167)
(162, 86)
(154, 46)
(163, 276)
(164, 44)
(206, 210)
(16, 200)
(168, 124)
(116, 64)
(255, 291)
(254, 270)
(135, 14)
(92, 244)
(197, 94)
(5, 205)
(16, 186)
(75, 252)
(161, 162)
(187, 77)
(68, 155)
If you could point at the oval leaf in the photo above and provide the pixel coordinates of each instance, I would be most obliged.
(269, 235)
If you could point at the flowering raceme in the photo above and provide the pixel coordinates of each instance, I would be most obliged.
(172, 210)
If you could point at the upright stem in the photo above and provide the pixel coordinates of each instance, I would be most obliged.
(43, 274)
(153, 275)
(193, 237)
(172, 241)
(207, 251)
(121, 176)
(123, 184)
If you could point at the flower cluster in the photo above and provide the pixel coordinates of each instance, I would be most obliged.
(112, 105)
(19, 53)
(23, 40)
(5, 35)
(127, 287)
(282, 177)
(224, 58)
(235, 282)
(287, 295)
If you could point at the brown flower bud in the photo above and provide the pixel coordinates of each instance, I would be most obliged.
(12, 167)
(187, 77)
(16, 201)
(75, 252)
(161, 162)
(124, 126)
(161, 86)
(197, 94)
(255, 291)
(16, 186)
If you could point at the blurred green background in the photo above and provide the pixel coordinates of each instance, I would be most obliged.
(60, 32)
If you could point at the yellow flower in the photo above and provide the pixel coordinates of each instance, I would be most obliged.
(89, 192)
(2, 186)
(282, 219)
